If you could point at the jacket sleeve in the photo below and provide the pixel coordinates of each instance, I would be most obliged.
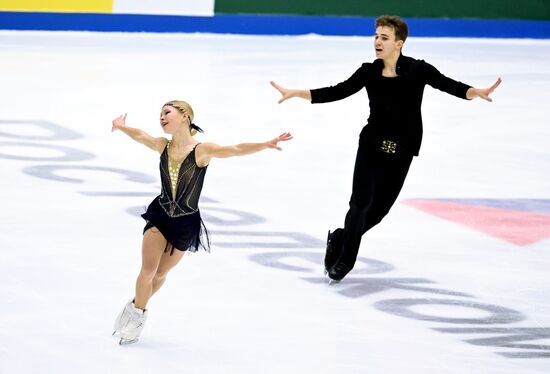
(342, 90)
(437, 80)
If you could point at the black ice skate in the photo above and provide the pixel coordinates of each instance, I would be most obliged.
(334, 248)
(337, 272)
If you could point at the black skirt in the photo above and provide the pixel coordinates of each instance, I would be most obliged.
(185, 233)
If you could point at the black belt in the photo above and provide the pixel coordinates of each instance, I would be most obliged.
(392, 147)
(388, 146)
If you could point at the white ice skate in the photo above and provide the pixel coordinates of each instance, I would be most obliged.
(122, 318)
(130, 323)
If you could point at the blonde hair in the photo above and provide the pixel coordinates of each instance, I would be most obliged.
(184, 106)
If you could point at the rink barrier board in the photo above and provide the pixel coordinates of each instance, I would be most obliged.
(464, 9)
(87, 6)
(166, 7)
(268, 25)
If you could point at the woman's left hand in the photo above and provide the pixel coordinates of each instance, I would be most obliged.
(281, 138)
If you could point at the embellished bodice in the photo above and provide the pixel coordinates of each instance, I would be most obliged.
(181, 184)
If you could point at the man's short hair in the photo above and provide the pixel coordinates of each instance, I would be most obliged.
(399, 26)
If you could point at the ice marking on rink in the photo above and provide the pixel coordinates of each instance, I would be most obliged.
(518, 221)
(462, 309)
(522, 217)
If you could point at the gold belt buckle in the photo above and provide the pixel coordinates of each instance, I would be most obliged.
(388, 146)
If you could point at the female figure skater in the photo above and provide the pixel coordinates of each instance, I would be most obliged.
(395, 85)
(173, 222)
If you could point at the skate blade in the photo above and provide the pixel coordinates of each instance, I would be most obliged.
(127, 341)
(332, 281)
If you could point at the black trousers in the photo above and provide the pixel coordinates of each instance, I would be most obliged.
(377, 180)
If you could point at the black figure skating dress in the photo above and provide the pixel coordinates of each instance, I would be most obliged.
(175, 212)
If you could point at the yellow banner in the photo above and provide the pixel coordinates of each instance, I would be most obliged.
(77, 6)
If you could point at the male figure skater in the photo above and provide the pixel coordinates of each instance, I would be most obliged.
(387, 144)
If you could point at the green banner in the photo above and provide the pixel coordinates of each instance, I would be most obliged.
(477, 9)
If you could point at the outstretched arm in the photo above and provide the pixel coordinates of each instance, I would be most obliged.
(138, 135)
(288, 93)
(209, 151)
(328, 94)
(483, 93)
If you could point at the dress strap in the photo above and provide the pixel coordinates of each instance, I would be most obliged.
(166, 147)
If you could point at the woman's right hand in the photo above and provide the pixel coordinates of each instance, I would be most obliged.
(119, 122)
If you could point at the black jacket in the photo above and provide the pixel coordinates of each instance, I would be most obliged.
(394, 102)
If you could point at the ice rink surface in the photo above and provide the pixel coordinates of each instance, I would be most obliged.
(454, 281)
